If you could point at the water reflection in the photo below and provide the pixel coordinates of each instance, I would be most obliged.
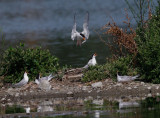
(27, 109)
(128, 104)
(78, 107)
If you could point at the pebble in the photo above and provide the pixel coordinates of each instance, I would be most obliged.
(135, 87)
(70, 93)
(84, 88)
(119, 84)
(17, 94)
(97, 85)
(149, 95)
(2, 99)
(98, 102)
(149, 87)
(129, 88)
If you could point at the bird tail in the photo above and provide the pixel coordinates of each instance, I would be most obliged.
(50, 77)
(86, 66)
(16, 85)
(135, 77)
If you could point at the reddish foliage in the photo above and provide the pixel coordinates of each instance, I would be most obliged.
(124, 38)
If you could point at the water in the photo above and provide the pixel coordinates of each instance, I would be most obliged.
(48, 23)
(83, 108)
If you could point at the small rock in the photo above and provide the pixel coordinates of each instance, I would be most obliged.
(8, 100)
(97, 85)
(129, 88)
(70, 93)
(17, 94)
(157, 87)
(157, 94)
(84, 88)
(98, 102)
(119, 84)
(142, 83)
(135, 87)
(149, 87)
(2, 99)
(149, 95)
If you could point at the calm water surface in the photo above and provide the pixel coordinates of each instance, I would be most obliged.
(48, 23)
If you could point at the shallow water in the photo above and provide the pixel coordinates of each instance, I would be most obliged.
(83, 108)
(48, 23)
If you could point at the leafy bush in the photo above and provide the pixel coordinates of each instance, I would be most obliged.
(109, 70)
(33, 60)
(123, 65)
(95, 73)
(148, 57)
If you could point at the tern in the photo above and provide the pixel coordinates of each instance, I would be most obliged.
(81, 36)
(126, 78)
(23, 82)
(91, 62)
(47, 78)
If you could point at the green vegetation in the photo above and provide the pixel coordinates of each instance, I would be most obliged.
(14, 109)
(33, 60)
(97, 72)
(148, 58)
(109, 70)
(142, 45)
(137, 52)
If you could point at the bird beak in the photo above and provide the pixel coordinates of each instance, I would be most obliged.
(26, 72)
(95, 54)
(84, 39)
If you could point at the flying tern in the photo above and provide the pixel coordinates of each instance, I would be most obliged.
(81, 36)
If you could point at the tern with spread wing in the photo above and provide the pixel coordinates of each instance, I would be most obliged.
(23, 82)
(91, 62)
(47, 78)
(81, 36)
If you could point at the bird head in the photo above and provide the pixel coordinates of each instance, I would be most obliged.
(26, 72)
(95, 54)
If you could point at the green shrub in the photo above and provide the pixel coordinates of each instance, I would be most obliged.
(148, 57)
(33, 60)
(109, 70)
(95, 73)
(123, 65)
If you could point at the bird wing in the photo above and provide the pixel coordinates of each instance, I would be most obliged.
(21, 83)
(88, 64)
(50, 77)
(37, 81)
(74, 32)
(85, 26)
